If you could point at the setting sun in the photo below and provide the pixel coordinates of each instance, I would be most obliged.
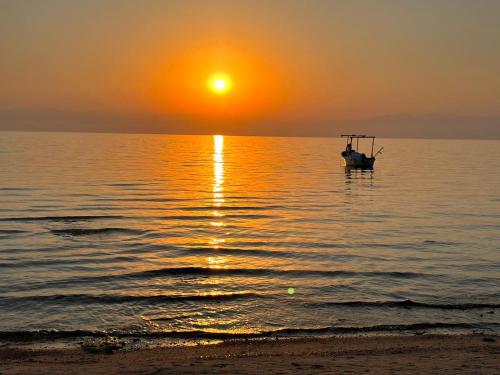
(219, 83)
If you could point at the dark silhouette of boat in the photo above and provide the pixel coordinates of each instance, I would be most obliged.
(355, 159)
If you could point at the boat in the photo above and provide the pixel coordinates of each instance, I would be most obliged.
(355, 159)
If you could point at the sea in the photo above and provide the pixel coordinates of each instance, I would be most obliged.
(220, 237)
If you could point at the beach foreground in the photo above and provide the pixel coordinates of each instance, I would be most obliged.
(464, 354)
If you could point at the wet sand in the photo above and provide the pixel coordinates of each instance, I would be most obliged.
(466, 354)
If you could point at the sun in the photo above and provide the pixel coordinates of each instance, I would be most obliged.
(219, 83)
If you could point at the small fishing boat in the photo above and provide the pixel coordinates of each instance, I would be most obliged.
(355, 159)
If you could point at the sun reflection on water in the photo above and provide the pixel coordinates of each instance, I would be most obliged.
(218, 184)
(217, 201)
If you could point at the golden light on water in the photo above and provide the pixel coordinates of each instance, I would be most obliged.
(218, 182)
(216, 262)
(215, 242)
(217, 199)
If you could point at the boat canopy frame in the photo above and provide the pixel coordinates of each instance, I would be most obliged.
(350, 137)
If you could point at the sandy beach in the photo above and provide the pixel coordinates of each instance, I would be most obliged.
(466, 354)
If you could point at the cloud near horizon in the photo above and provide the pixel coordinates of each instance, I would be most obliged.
(391, 126)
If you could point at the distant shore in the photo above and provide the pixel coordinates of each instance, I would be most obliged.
(425, 354)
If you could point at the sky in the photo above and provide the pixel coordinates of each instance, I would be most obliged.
(399, 68)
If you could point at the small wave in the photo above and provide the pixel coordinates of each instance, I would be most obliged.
(92, 258)
(245, 251)
(408, 245)
(376, 328)
(202, 271)
(17, 189)
(412, 304)
(11, 231)
(235, 251)
(354, 245)
(112, 217)
(211, 217)
(135, 199)
(440, 243)
(172, 317)
(234, 208)
(125, 184)
(92, 231)
(200, 334)
(63, 218)
(117, 298)
(291, 244)
(220, 272)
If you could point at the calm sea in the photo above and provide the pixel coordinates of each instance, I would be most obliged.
(212, 236)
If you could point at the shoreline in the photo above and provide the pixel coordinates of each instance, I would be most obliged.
(467, 354)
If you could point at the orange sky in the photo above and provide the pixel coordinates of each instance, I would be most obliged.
(180, 86)
(290, 61)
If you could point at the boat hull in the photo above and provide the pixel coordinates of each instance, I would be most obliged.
(357, 160)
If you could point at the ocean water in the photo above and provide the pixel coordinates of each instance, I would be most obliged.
(218, 236)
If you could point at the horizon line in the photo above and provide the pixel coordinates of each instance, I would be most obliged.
(235, 135)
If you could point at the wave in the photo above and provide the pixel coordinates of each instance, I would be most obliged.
(237, 251)
(203, 271)
(220, 272)
(252, 249)
(153, 299)
(354, 245)
(442, 243)
(158, 200)
(83, 259)
(241, 250)
(234, 208)
(411, 304)
(11, 231)
(211, 217)
(63, 218)
(381, 328)
(266, 271)
(92, 231)
(408, 245)
(17, 189)
(117, 298)
(201, 334)
(207, 272)
(130, 184)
